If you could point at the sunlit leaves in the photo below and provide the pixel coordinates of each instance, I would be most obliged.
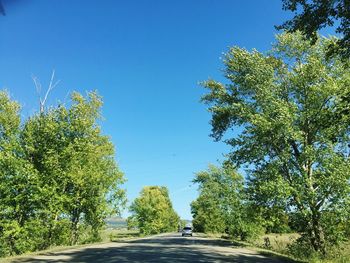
(58, 173)
(153, 212)
(290, 105)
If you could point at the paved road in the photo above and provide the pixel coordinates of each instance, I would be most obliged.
(163, 248)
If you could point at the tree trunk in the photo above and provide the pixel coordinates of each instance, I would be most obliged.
(52, 227)
(317, 234)
(74, 227)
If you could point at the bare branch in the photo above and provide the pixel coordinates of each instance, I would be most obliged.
(37, 85)
(51, 86)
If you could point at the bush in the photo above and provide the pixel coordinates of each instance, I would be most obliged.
(61, 233)
(16, 239)
(302, 249)
(246, 231)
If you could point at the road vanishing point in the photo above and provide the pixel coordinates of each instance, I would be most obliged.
(161, 248)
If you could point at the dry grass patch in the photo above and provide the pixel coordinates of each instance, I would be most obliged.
(276, 242)
(118, 234)
(280, 242)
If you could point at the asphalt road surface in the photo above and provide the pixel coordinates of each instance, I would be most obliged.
(161, 248)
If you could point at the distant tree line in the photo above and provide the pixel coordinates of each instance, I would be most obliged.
(58, 176)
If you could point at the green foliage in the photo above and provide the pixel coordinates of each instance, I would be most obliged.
(183, 223)
(294, 142)
(132, 223)
(207, 216)
(153, 211)
(76, 161)
(58, 175)
(302, 249)
(221, 205)
(310, 16)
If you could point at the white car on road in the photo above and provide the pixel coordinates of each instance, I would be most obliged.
(187, 231)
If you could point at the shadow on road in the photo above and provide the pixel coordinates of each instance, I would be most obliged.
(183, 241)
(160, 250)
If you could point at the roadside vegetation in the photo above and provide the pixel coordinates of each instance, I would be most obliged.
(152, 212)
(286, 116)
(118, 234)
(59, 180)
(284, 186)
(281, 243)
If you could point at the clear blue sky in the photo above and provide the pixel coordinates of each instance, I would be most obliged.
(146, 59)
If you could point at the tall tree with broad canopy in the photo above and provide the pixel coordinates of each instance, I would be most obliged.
(153, 211)
(283, 106)
(58, 176)
(78, 173)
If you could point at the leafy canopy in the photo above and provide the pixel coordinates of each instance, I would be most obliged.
(153, 211)
(58, 176)
(312, 15)
(221, 205)
(286, 104)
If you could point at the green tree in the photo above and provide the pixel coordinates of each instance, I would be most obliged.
(217, 188)
(18, 186)
(58, 176)
(131, 223)
(273, 211)
(153, 211)
(312, 15)
(290, 135)
(207, 215)
(221, 205)
(183, 223)
(76, 165)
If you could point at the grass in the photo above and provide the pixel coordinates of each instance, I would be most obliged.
(277, 248)
(114, 235)
(338, 255)
(279, 243)
(276, 242)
